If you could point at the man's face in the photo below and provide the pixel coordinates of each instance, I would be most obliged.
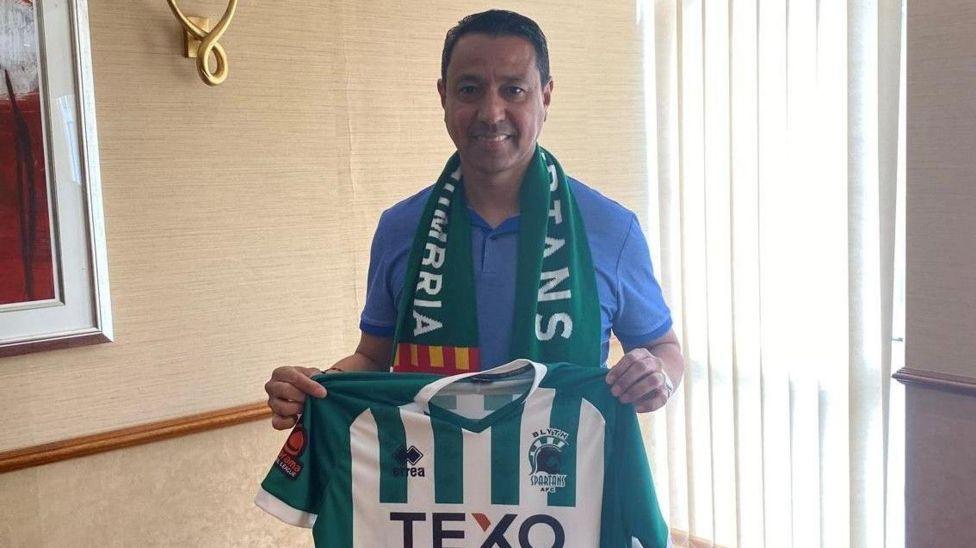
(494, 103)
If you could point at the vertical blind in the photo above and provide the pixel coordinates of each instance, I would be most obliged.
(774, 152)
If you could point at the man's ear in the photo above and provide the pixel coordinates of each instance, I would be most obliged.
(547, 97)
(442, 91)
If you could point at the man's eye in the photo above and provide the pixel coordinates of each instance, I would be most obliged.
(467, 90)
(516, 91)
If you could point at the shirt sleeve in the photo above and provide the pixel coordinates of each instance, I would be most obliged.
(632, 509)
(641, 315)
(379, 312)
(292, 490)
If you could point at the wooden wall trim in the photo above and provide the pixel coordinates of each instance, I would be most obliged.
(133, 435)
(937, 381)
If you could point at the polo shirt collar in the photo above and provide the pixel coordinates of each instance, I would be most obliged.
(510, 224)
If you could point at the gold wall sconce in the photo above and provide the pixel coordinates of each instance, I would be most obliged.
(201, 41)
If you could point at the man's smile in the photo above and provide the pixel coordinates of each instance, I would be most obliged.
(491, 139)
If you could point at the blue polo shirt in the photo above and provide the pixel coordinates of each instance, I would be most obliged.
(631, 303)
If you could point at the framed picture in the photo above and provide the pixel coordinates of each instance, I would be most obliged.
(54, 289)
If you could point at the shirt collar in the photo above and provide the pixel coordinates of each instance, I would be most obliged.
(510, 224)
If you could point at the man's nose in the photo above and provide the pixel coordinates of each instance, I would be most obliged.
(492, 108)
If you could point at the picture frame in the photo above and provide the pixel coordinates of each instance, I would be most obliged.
(68, 304)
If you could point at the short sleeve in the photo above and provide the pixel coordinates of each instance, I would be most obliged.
(292, 490)
(631, 503)
(379, 312)
(641, 315)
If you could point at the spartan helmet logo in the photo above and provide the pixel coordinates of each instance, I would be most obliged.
(546, 455)
(548, 460)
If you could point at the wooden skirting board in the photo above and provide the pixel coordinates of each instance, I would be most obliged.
(134, 435)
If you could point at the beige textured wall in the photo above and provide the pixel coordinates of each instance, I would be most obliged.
(941, 271)
(238, 222)
(193, 491)
(239, 217)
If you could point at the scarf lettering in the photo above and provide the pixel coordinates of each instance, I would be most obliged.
(549, 281)
(425, 324)
(437, 224)
(429, 283)
(554, 321)
(556, 212)
(552, 246)
(434, 256)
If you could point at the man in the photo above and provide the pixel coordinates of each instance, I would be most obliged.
(595, 268)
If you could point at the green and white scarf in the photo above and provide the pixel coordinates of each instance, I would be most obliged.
(557, 311)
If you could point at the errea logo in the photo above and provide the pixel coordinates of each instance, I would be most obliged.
(406, 462)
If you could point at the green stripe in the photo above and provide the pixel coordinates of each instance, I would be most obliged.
(448, 462)
(505, 461)
(392, 437)
(565, 416)
(333, 423)
(337, 433)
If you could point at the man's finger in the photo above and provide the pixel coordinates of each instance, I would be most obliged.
(285, 408)
(283, 423)
(621, 368)
(284, 391)
(653, 403)
(635, 357)
(642, 388)
(633, 374)
(300, 381)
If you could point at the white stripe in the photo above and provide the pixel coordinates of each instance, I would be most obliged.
(420, 434)
(535, 417)
(277, 508)
(364, 448)
(477, 468)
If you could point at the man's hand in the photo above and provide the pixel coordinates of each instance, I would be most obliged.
(289, 385)
(287, 390)
(639, 378)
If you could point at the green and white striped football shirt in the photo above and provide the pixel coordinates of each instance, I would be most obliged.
(525, 454)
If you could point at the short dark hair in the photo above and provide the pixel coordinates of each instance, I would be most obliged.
(499, 23)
